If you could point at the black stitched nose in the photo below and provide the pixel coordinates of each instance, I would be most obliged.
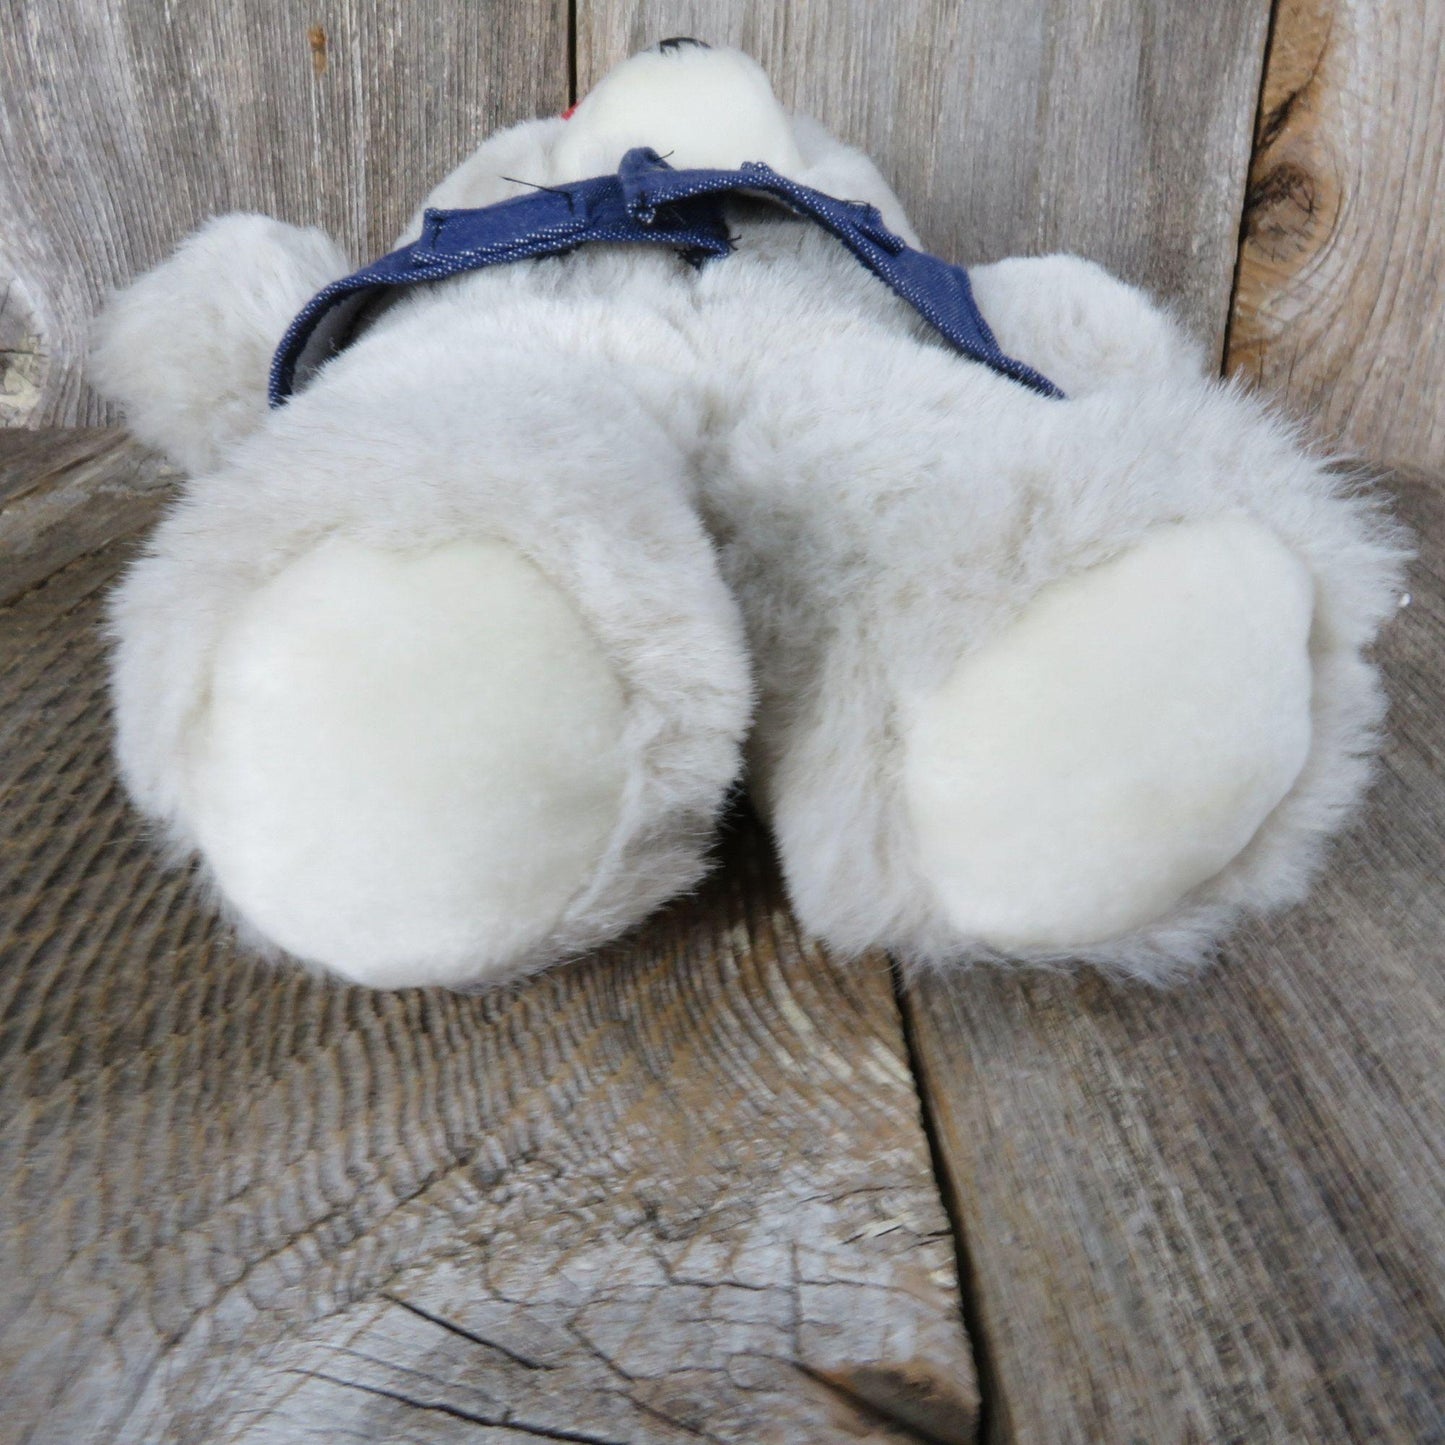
(676, 42)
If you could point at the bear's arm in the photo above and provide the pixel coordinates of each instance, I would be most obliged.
(185, 350)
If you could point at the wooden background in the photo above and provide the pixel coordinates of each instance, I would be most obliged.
(708, 1186)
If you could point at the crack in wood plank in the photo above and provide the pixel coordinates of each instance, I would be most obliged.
(1339, 305)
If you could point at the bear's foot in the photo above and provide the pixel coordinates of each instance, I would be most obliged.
(1118, 744)
(1048, 681)
(412, 762)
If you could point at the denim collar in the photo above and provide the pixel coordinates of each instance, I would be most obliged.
(646, 202)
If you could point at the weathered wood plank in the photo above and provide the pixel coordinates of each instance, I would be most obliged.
(1219, 1213)
(678, 1191)
(1341, 303)
(64, 493)
(122, 125)
(1117, 130)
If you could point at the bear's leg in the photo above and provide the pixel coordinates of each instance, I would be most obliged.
(1044, 679)
(185, 350)
(437, 677)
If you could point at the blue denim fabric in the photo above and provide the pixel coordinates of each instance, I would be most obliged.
(648, 203)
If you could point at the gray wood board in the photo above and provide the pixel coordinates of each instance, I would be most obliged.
(677, 1191)
(64, 493)
(1118, 130)
(124, 124)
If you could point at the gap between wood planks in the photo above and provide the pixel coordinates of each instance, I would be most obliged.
(1259, 122)
(985, 1370)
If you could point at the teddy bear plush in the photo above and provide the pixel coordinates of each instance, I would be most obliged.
(1041, 643)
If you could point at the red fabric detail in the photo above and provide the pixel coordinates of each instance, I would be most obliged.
(571, 110)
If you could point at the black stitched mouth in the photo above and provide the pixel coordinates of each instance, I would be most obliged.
(676, 42)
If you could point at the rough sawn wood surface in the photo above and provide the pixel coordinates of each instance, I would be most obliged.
(66, 493)
(1341, 297)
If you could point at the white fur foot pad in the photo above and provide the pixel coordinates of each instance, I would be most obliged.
(411, 761)
(1119, 743)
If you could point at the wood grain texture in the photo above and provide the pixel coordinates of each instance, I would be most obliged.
(1341, 303)
(1219, 1213)
(676, 1192)
(123, 124)
(1118, 130)
(23, 365)
(64, 493)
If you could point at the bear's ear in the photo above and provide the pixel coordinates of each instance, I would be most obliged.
(696, 106)
(186, 349)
